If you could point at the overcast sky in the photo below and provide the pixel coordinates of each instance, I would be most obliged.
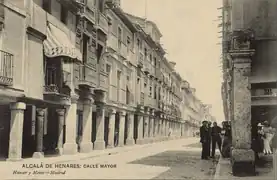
(190, 37)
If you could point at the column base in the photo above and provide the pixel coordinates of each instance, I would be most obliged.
(14, 159)
(86, 147)
(99, 145)
(38, 155)
(70, 148)
(130, 142)
(59, 151)
(121, 144)
(140, 141)
(243, 162)
(110, 146)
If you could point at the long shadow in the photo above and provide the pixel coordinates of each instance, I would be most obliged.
(182, 164)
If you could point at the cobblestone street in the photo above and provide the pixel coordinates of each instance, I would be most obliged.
(176, 159)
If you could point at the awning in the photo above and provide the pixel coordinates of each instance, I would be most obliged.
(59, 44)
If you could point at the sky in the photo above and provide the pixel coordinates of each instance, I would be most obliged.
(190, 37)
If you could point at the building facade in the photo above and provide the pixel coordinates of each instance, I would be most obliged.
(78, 76)
(248, 90)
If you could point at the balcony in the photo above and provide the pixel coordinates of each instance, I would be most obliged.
(102, 23)
(146, 67)
(55, 79)
(87, 76)
(140, 60)
(6, 68)
(102, 78)
(88, 12)
(141, 99)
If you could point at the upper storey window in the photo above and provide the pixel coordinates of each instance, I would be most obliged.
(46, 5)
(64, 14)
(101, 6)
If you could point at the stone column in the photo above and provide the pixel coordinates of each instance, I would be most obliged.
(146, 127)
(130, 130)
(156, 127)
(86, 144)
(139, 139)
(60, 113)
(99, 143)
(111, 128)
(242, 154)
(122, 116)
(39, 134)
(16, 131)
(70, 146)
(151, 126)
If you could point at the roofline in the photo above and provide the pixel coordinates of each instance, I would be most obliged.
(147, 21)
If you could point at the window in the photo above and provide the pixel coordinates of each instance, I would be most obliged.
(85, 49)
(101, 5)
(155, 92)
(138, 43)
(155, 61)
(145, 52)
(128, 44)
(119, 38)
(46, 5)
(118, 85)
(108, 68)
(150, 57)
(64, 14)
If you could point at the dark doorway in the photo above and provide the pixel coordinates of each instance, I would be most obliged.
(28, 138)
(126, 127)
(5, 120)
(106, 131)
(116, 129)
(135, 128)
(79, 128)
(93, 129)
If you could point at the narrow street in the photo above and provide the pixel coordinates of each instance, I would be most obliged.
(176, 159)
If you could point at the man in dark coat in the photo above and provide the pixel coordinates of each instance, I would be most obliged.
(216, 138)
(209, 138)
(204, 133)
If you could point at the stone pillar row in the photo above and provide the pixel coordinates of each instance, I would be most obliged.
(149, 128)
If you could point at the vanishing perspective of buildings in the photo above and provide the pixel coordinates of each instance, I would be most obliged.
(250, 78)
(76, 75)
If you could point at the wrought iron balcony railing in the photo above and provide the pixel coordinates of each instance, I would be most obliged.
(270, 92)
(6, 68)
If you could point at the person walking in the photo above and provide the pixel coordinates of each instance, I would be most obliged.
(268, 135)
(204, 133)
(209, 138)
(216, 138)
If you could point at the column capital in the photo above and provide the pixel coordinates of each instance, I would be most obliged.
(60, 112)
(112, 111)
(18, 106)
(122, 113)
(40, 112)
(88, 101)
(74, 98)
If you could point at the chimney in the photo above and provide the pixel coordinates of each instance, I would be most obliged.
(172, 64)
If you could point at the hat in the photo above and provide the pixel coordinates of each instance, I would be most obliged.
(259, 125)
(266, 123)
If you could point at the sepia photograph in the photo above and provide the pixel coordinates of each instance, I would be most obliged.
(138, 89)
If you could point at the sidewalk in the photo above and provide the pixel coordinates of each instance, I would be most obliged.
(224, 171)
(95, 153)
(121, 157)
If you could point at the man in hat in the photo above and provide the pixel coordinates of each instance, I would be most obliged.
(209, 138)
(204, 133)
(216, 138)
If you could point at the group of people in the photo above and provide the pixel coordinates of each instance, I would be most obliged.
(264, 137)
(210, 137)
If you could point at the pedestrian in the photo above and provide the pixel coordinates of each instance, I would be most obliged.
(268, 135)
(209, 138)
(116, 134)
(204, 140)
(216, 138)
(169, 132)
